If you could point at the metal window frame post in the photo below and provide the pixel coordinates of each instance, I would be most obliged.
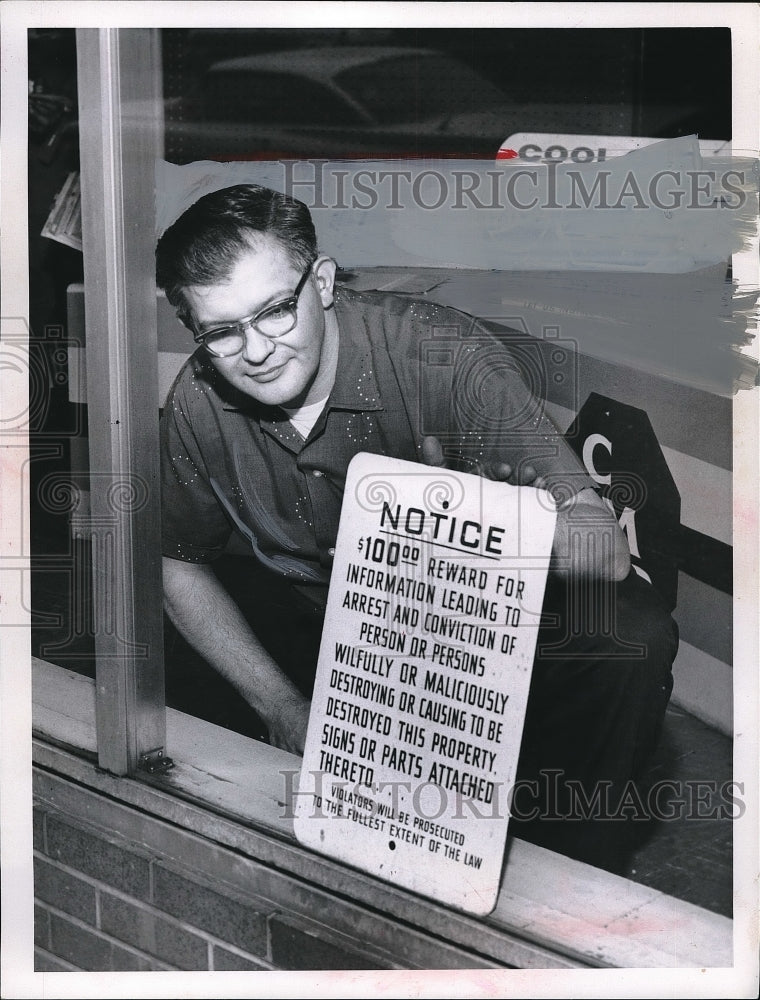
(119, 79)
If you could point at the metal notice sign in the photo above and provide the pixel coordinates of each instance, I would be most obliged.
(423, 677)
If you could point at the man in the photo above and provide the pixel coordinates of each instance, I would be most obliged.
(293, 376)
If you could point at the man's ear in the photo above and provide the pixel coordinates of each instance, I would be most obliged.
(324, 269)
(186, 321)
(184, 314)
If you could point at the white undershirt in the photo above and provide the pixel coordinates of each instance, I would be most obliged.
(303, 418)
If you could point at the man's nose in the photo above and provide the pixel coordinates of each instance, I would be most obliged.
(257, 347)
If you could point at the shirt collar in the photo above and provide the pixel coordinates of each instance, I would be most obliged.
(355, 386)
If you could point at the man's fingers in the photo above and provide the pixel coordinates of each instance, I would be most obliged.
(498, 471)
(432, 451)
(502, 472)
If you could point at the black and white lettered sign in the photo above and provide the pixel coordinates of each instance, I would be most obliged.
(423, 677)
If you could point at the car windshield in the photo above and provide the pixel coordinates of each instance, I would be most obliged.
(273, 98)
(413, 88)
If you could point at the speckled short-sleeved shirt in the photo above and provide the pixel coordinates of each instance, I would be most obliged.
(238, 478)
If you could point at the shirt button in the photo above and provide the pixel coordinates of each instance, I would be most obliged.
(331, 552)
(316, 472)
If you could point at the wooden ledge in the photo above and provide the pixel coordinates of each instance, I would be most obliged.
(552, 912)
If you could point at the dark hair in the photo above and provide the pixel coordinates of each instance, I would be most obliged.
(208, 239)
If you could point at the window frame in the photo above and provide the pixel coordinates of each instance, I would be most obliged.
(119, 90)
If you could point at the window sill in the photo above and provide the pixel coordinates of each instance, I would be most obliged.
(551, 911)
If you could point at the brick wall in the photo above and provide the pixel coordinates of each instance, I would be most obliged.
(109, 902)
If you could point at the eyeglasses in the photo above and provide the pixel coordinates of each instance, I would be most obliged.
(272, 322)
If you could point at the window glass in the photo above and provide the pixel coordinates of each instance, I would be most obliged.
(244, 94)
(416, 87)
(59, 494)
(273, 99)
(604, 82)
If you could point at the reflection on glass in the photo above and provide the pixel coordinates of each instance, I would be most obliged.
(417, 86)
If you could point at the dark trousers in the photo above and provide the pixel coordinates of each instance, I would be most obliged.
(600, 686)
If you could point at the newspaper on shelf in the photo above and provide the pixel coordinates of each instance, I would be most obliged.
(64, 223)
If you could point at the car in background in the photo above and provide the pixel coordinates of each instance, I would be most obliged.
(339, 102)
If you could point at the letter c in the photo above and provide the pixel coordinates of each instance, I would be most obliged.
(476, 540)
(588, 457)
(523, 151)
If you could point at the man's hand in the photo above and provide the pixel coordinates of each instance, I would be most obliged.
(588, 541)
(287, 729)
(206, 615)
(502, 472)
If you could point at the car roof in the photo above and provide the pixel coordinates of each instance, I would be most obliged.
(323, 62)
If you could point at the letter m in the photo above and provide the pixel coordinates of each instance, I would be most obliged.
(581, 807)
(577, 185)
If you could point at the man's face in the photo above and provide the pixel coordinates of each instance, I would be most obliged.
(290, 370)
